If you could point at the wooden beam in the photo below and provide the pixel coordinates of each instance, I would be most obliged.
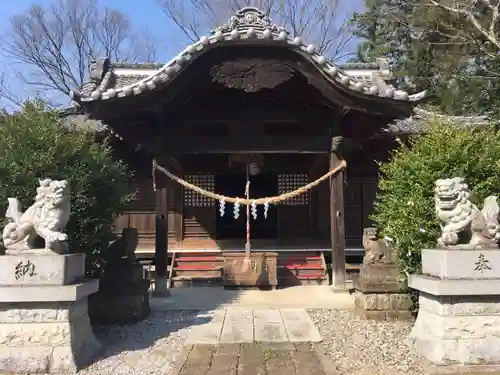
(178, 205)
(161, 243)
(246, 112)
(337, 227)
(270, 144)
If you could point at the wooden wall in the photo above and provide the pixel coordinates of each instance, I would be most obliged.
(141, 214)
(192, 217)
(292, 171)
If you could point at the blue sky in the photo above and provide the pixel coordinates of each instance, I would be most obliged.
(142, 13)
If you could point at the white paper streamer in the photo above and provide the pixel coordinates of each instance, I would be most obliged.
(236, 210)
(266, 208)
(222, 207)
(254, 210)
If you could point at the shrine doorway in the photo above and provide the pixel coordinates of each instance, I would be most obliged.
(233, 185)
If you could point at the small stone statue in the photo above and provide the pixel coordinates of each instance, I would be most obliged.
(376, 249)
(46, 218)
(463, 225)
(125, 246)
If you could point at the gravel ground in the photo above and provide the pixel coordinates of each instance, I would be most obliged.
(361, 347)
(149, 347)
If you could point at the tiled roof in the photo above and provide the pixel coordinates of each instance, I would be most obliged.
(157, 65)
(416, 122)
(75, 120)
(250, 27)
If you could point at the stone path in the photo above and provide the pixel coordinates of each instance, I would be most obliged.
(212, 298)
(246, 325)
(254, 359)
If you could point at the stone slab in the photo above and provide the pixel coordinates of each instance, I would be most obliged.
(460, 305)
(450, 352)
(455, 339)
(48, 293)
(46, 337)
(299, 326)
(461, 263)
(458, 327)
(238, 326)
(269, 326)
(31, 268)
(438, 287)
(260, 359)
(207, 328)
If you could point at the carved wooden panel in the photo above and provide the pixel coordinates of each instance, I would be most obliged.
(194, 199)
(251, 75)
(290, 182)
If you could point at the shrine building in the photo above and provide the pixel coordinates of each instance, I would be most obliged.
(249, 97)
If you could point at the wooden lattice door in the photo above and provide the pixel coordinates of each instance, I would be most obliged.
(294, 213)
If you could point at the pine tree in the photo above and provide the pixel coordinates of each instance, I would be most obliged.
(414, 40)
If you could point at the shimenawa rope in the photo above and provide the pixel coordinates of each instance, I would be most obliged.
(248, 202)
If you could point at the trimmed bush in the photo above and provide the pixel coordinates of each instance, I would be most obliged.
(404, 207)
(34, 145)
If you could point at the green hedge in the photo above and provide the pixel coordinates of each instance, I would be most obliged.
(404, 207)
(34, 145)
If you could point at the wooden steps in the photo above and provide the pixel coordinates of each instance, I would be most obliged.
(206, 269)
(302, 268)
(197, 269)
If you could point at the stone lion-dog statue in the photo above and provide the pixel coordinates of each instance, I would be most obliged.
(463, 225)
(46, 218)
(376, 249)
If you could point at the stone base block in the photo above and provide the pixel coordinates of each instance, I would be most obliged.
(120, 304)
(458, 330)
(48, 293)
(382, 306)
(461, 263)
(46, 337)
(438, 287)
(123, 296)
(40, 267)
(378, 278)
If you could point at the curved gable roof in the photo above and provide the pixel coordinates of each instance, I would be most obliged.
(248, 27)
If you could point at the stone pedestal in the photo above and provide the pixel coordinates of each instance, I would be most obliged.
(379, 295)
(123, 296)
(44, 324)
(458, 321)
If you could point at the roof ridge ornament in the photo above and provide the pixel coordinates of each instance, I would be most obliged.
(249, 17)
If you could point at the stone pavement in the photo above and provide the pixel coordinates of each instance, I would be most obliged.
(247, 325)
(210, 298)
(254, 359)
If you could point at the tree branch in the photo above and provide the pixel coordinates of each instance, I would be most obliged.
(468, 9)
(318, 21)
(55, 44)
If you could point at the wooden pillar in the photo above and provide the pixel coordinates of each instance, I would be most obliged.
(161, 244)
(337, 228)
(177, 204)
